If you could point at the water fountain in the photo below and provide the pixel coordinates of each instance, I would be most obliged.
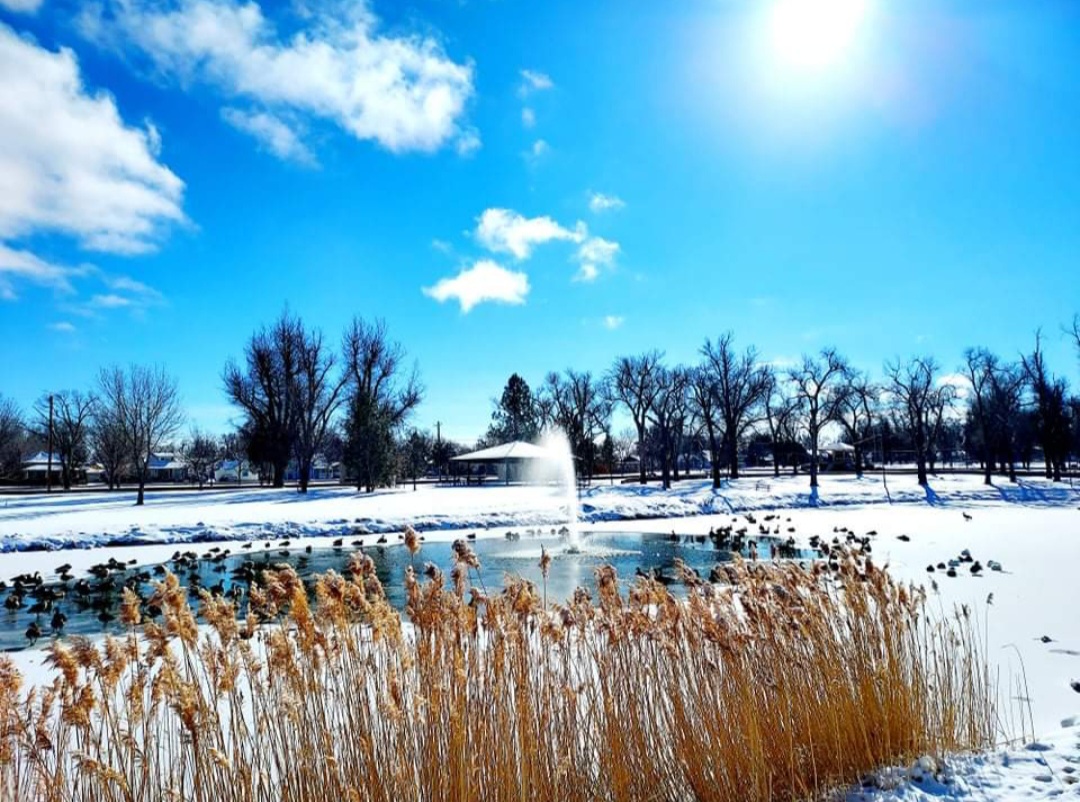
(558, 445)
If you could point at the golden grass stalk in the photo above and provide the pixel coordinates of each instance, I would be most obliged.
(780, 685)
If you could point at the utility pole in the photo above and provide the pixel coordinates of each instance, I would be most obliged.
(438, 442)
(48, 472)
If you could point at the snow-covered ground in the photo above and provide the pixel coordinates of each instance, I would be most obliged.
(84, 520)
(1029, 611)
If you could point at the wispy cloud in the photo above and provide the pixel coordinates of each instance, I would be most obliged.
(485, 281)
(595, 254)
(21, 6)
(272, 133)
(612, 322)
(528, 117)
(63, 326)
(537, 151)
(534, 81)
(599, 202)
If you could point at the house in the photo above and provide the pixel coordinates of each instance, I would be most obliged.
(166, 466)
(35, 468)
(322, 470)
(235, 472)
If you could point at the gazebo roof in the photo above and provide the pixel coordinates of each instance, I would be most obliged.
(507, 451)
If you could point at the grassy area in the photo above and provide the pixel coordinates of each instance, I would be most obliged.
(778, 685)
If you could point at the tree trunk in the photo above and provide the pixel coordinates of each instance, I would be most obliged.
(142, 492)
(304, 477)
(858, 461)
(733, 457)
(641, 453)
(279, 473)
(714, 459)
(921, 463)
(813, 459)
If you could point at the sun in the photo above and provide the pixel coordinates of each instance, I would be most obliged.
(815, 34)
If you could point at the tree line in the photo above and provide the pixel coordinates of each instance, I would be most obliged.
(301, 397)
(298, 397)
(731, 402)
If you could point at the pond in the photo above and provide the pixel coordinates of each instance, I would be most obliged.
(88, 605)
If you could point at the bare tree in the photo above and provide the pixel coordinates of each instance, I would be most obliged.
(980, 366)
(581, 408)
(319, 394)
(1074, 331)
(12, 432)
(813, 382)
(1051, 410)
(146, 406)
(667, 414)
(416, 453)
(265, 388)
(234, 447)
(921, 402)
(201, 454)
(856, 403)
(380, 400)
(107, 442)
(703, 404)
(741, 385)
(783, 410)
(71, 416)
(633, 383)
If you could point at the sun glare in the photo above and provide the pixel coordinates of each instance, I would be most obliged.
(815, 34)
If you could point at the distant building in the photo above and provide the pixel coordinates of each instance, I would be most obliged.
(233, 471)
(167, 467)
(35, 469)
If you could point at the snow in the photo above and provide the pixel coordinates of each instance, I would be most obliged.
(84, 520)
(1044, 769)
(1027, 612)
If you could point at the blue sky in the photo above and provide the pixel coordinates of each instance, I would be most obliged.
(584, 179)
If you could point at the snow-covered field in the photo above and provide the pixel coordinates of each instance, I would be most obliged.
(1029, 610)
(95, 519)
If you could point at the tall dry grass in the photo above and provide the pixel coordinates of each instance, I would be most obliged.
(779, 685)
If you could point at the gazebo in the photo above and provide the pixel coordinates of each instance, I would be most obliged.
(508, 458)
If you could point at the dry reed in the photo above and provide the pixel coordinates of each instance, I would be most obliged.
(780, 684)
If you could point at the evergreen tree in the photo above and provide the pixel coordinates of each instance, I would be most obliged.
(516, 416)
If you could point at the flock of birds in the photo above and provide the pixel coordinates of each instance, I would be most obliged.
(99, 593)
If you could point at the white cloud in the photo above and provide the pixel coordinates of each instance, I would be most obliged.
(271, 133)
(533, 81)
(63, 326)
(539, 150)
(599, 202)
(528, 117)
(468, 142)
(23, 266)
(21, 6)
(612, 322)
(484, 281)
(401, 91)
(594, 254)
(506, 231)
(70, 164)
